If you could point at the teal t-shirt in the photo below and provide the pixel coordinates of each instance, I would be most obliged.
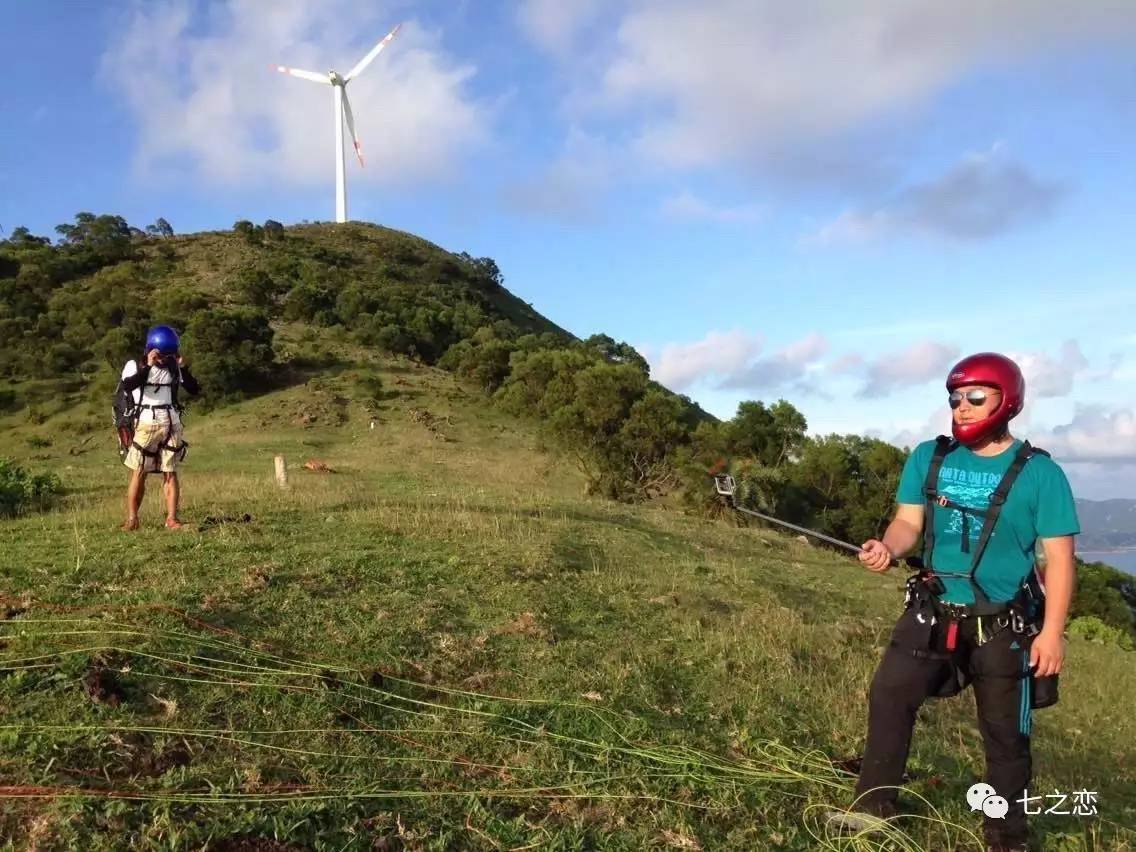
(1040, 505)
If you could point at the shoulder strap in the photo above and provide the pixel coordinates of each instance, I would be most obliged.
(943, 446)
(997, 500)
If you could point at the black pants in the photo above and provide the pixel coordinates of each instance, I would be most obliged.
(998, 670)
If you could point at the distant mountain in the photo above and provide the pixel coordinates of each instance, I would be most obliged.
(1106, 524)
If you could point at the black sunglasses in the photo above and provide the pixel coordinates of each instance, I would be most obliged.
(977, 398)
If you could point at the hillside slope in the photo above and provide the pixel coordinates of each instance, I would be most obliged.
(441, 644)
(71, 311)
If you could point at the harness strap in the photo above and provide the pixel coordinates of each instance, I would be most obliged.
(998, 499)
(990, 515)
(943, 445)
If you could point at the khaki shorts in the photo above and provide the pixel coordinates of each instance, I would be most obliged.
(152, 437)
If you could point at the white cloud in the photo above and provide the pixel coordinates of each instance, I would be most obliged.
(1051, 377)
(729, 361)
(789, 366)
(208, 106)
(938, 422)
(784, 86)
(686, 207)
(848, 363)
(554, 24)
(982, 196)
(1095, 434)
(921, 362)
(718, 353)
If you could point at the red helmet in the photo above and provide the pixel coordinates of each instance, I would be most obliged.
(991, 370)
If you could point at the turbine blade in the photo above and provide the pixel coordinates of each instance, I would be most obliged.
(351, 128)
(369, 58)
(303, 75)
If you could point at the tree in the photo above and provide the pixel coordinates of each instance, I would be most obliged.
(789, 429)
(273, 229)
(254, 286)
(231, 350)
(616, 353)
(647, 442)
(1106, 593)
(253, 234)
(160, 228)
(588, 425)
(843, 485)
(304, 301)
(90, 229)
(96, 241)
(486, 269)
(486, 363)
(22, 237)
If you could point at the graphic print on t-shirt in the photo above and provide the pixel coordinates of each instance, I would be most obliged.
(967, 488)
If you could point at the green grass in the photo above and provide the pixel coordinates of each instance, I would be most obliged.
(444, 645)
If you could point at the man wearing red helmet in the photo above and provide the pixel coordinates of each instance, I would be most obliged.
(978, 503)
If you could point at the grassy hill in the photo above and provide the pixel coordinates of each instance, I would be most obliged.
(442, 644)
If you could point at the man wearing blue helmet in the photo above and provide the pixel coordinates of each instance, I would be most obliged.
(157, 442)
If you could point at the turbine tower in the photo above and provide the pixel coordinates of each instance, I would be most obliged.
(342, 113)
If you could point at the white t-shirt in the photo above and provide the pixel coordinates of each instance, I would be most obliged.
(148, 394)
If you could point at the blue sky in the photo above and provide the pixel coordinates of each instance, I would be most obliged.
(826, 202)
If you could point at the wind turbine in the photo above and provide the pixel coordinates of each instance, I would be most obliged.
(342, 112)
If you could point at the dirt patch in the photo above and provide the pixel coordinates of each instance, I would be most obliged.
(254, 844)
(322, 405)
(258, 577)
(152, 764)
(219, 520)
(14, 607)
(718, 606)
(480, 680)
(432, 422)
(680, 840)
(524, 624)
(102, 681)
(562, 812)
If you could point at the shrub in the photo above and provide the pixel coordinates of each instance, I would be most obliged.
(1094, 630)
(21, 491)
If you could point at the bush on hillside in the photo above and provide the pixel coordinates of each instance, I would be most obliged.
(232, 352)
(1094, 630)
(22, 492)
(255, 287)
(1106, 593)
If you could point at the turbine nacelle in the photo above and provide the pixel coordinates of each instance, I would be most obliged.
(335, 79)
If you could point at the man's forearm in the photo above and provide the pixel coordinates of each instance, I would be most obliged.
(1060, 578)
(901, 537)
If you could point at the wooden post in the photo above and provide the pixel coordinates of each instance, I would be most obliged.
(281, 472)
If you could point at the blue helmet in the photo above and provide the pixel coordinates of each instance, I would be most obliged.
(163, 338)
